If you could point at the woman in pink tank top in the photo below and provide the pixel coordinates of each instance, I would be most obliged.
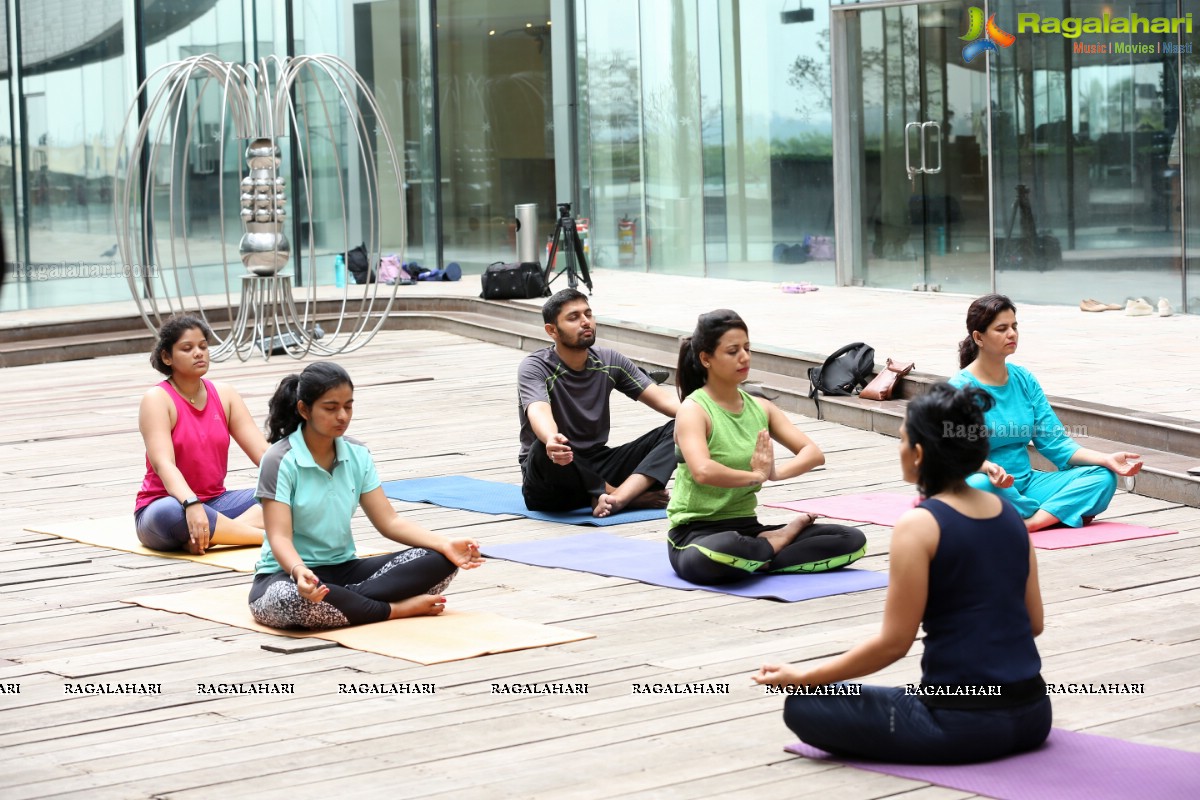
(187, 422)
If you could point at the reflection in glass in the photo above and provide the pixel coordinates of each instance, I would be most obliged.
(610, 134)
(496, 124)
(674, 221)
(1090, 135)
(73, 101)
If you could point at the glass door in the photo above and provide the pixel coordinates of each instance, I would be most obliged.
(915, 123)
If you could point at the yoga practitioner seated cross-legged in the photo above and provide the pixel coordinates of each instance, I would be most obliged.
(724, 441)
(312, 479)
(563, 404)
(961, 564)
(186, 423)
(1086, 479)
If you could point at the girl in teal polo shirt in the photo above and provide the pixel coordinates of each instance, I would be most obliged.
(311, 479)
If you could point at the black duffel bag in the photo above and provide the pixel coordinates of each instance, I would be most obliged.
(513, 281)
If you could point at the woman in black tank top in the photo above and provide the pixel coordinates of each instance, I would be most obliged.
(961, 565)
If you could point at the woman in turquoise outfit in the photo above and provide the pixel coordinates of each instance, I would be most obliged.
(1086, 479)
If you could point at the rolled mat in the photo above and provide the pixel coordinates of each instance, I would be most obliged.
(886, 508)
(118, 533)
(490, 497)
(1069, 766)
(605, 554)
(450, 636)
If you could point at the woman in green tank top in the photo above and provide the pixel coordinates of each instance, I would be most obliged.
(723, 440)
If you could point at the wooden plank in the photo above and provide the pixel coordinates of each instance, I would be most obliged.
(609, 742)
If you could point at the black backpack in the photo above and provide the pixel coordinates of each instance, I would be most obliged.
(843, 374)
(358, 263)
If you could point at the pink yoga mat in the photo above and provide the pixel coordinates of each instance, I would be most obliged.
(1069, 766)
(1092, 533)
(881, 508)
(885, 508)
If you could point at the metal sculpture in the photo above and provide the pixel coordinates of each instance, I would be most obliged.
(263, 102)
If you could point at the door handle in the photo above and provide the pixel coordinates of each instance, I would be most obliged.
(912, 171)
(937, 137)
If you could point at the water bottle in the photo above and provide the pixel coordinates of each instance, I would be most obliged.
(339, 270)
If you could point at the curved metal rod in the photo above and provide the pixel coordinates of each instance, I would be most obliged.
(257, 98)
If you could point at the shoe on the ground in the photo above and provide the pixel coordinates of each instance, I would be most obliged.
(1113, 306)
(1092, 305)
(1138, 308)
(1164, 307)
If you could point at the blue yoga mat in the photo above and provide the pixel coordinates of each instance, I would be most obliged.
(489, 497)
(605, 554)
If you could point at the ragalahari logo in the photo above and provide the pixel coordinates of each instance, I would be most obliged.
(992, 35)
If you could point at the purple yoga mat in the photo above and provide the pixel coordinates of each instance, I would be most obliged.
(885, 508)
(605, 554)
(1069, 766)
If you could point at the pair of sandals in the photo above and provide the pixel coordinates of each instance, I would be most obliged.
(798, 288)
(1096, 305)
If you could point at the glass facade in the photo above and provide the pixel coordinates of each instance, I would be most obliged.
(1082, 144)
(849, 142)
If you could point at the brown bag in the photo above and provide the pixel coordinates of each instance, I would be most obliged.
(882, 385)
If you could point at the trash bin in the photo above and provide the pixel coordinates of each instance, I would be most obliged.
(527, 234)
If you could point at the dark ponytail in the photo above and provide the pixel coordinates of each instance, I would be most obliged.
(949, 425)
(982, 312)
(283, 416)
(690, 374)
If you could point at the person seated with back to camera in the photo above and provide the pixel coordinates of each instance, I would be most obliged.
(186, 422)
(563, 394)
(1086, 479)
(725, 455)
(313, 477)
(962, 565)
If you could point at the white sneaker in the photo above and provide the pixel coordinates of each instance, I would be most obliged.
(1164, 307)
(1138, 308)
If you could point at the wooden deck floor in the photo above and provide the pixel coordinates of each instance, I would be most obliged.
(1125, 612)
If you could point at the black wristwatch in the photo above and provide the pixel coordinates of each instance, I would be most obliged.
(191, 501)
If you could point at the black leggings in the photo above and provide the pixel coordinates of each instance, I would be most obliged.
(360, 591)
(731, 550)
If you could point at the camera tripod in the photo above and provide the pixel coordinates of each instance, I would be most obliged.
(1030, 249)
(566, 238)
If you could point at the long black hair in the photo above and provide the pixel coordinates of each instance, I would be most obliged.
(980, 315)
(170, 333)
(949, 425)
(283, 418)
(690, 374)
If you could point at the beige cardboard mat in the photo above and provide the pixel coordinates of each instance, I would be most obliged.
(117, 533)
(451, 636)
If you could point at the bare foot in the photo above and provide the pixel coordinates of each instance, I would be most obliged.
(651, 499)
(423, 605)
(606, 505)
(781, 538)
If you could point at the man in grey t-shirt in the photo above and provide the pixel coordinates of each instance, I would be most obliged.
(563, 394)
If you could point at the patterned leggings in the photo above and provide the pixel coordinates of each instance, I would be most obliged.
(360, 591)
